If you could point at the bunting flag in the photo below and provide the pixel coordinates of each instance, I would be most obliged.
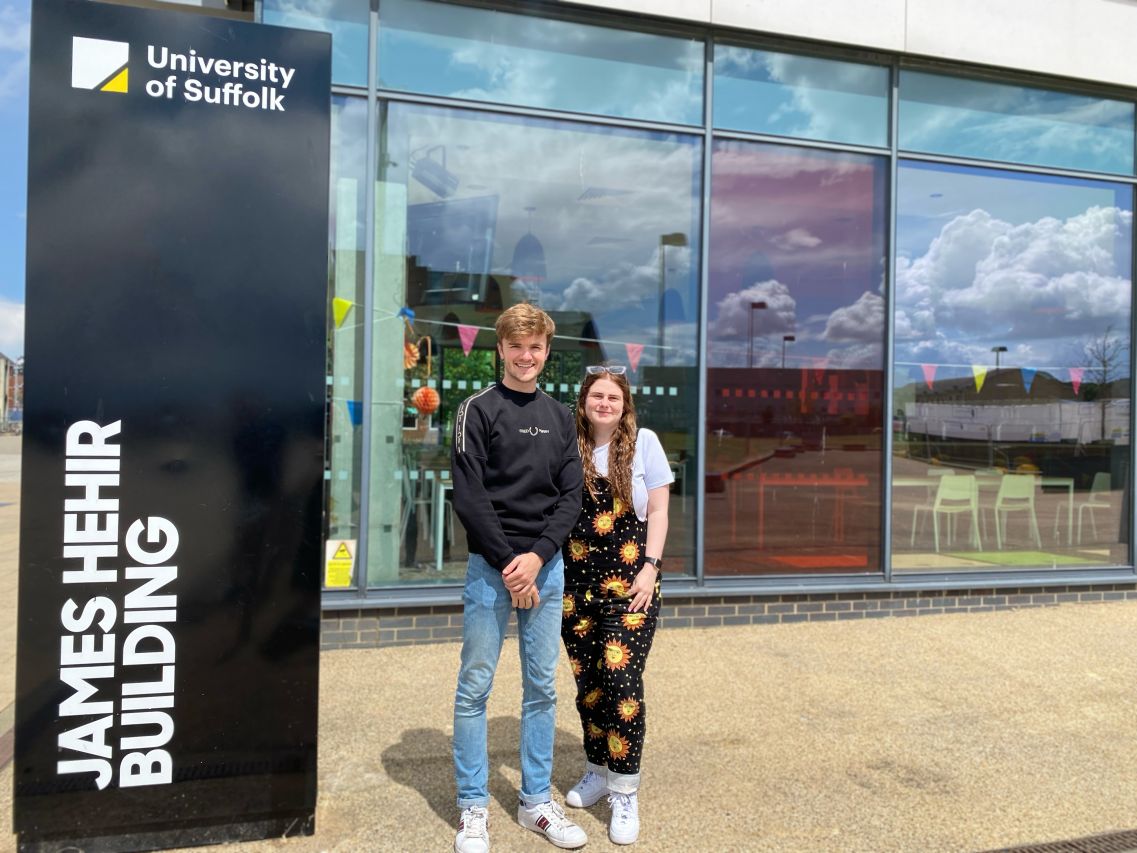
(467, 334)
(634, 353)
(340, 307)
(929, 374)
(1076, 377)
(1028, 376)
(408, 316)
(355, 412)
(980, 372)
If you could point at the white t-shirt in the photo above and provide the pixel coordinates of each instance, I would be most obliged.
(650, 468)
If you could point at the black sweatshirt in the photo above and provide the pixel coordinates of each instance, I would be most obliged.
(517, 474)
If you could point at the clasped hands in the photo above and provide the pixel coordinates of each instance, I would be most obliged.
(520, 578)
(521, 574)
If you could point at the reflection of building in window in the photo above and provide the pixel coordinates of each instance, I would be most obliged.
(807, 403)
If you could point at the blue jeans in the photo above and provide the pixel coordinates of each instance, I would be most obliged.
(485, 614)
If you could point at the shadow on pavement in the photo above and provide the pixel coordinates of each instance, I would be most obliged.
(422, 761)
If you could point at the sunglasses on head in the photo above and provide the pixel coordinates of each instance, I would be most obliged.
(615, 369)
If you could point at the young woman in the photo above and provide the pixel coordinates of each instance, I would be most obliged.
(611, 601)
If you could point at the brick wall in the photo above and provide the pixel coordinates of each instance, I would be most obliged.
(399, 626)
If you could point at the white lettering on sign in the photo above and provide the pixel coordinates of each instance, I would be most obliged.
(190, 68)
(96, 677)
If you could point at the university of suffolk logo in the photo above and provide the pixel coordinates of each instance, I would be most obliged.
(99, 64)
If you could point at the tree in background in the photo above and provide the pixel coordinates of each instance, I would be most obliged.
(1105, 358)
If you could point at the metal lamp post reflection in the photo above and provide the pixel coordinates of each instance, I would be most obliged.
(786, 339)
(998, 350)
(754, 306)
(677, 238)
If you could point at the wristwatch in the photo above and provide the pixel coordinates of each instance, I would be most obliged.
(655, 561)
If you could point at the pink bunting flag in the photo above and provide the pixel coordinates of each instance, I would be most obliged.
(929, 374)
(467, 334)
(634, 353)
(1076, 377)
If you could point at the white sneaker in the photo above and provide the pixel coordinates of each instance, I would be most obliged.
(588, 791)
(549, 819)
(473, 831)
(624, 827)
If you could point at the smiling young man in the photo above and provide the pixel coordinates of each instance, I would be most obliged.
(517, 490)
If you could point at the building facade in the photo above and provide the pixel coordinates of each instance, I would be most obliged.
(869, 264)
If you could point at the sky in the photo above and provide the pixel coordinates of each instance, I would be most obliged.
(14, 43)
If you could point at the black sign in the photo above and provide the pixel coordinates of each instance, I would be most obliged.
(170, 539)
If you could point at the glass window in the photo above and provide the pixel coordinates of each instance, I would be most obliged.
(795, 361)
(1015, 124)
(346, 314)
(597, 225)
(484, 55)
(790, 95)
(346, 20)
(1012, 380)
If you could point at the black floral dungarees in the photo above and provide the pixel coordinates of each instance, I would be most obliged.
(608, 646)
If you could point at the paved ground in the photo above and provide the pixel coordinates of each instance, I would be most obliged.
(952, 733)
(9, 557)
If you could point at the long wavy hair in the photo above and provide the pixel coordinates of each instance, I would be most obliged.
(622, 448)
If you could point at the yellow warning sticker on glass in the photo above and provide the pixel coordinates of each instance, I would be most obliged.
(339, 560)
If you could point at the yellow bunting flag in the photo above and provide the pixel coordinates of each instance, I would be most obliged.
(340, 307)
(980, 376)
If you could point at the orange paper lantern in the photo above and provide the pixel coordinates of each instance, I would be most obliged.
(410, 355)
(426, 400)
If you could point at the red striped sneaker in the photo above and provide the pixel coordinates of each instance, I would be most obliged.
(549, 819)
(473, 831)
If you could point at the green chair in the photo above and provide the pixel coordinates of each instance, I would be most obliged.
(1099, 498)
(1016, 494)
(956, 495)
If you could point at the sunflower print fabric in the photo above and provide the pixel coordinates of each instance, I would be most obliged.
(608, 646)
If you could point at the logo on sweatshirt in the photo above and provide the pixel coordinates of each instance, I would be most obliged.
(534, 430)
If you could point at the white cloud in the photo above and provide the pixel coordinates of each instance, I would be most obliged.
(863, 321)
(735, 162)
(984, 279)
(11, 328)
(537, 78)
(796, 238)
(866, 356)
(526, 291)
(734, 316)
(15, 42)
(824, 99)
(1055, 131)
(627, 284)
(682, 343)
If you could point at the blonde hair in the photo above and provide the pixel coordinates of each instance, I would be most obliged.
(522, 320)
(621, 450)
